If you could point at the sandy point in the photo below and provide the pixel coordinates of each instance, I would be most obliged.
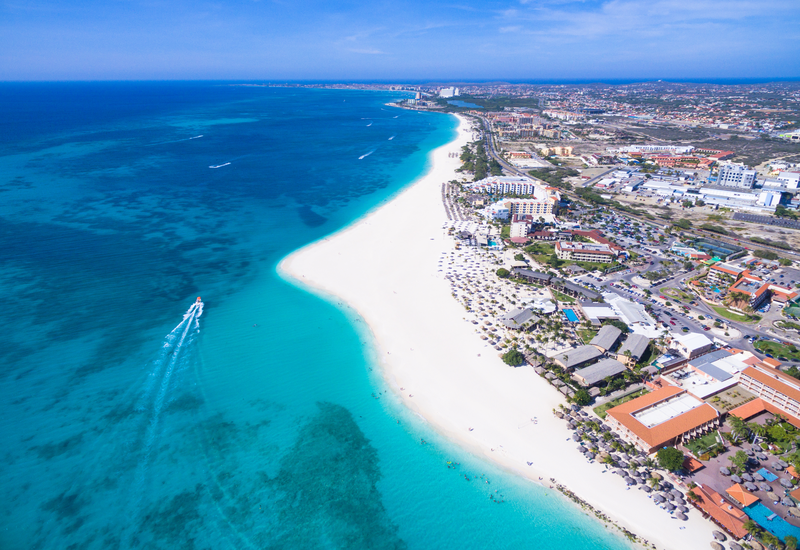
(385, 267)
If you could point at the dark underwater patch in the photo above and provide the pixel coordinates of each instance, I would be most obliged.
(328, 482)
(309, 217)
(52, 450)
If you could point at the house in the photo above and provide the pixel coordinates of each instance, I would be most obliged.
(633, 349)
(593, 374)
(662, 417)
(585, 252)
(693, 344)
(606, 338)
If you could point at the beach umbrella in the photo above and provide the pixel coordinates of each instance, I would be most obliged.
(576, 437)
(571, 426)
(659, 499)
(680, 501)
(669, 506)
(719, 535)
(735, 546)
(717, 546)
(794, 513)
(749, 452)
(620, 472)
(680, 516)
(736, 479)
(645, 488)
(787, 502)
(764, 487)
(629, 481)
(783, 463)
(747, 477)
(750, 486)
(676, 493)
(683, 508)
(761, 456)
(725, 471)
(786, 483)
(758, 477)
(575, 408)
(582, 449)
(590, 456)
(656, 475)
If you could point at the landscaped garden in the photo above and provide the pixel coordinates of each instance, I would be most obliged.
(778, 350)
(704, 446)
(734, 316)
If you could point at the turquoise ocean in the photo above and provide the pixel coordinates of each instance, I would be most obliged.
(133, 417)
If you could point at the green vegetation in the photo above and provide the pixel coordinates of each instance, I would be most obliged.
(683, 223)
(519, 257)
(541, 252)
(670, 458)
(513, 357)
(702, 445)
(555, 176)
(619, 324)
(733, 316)
(478, 162)
(714, 228)
(582, 398)
(503, 273)
(766, 254)
(782, 212)
(739, 461)
(602, 409)
(587, 334)
(562, 297)
(505, 232)
(787, 325)
(768, 242)
(778, 350)
(784, 261)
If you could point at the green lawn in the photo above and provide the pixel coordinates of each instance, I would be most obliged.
(587, 334)
(733, 316)
(777, 350)
(562, 297)
(601, 410)
(676, 294)
(702, 444)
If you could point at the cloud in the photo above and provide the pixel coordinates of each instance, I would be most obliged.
(512, 28)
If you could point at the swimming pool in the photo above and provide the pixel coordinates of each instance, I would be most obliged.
(777, 526)
(769, 476)
(571, 316)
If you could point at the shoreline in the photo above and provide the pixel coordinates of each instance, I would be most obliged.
(384, 266)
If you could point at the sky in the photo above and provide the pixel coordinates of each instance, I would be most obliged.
(399, 40)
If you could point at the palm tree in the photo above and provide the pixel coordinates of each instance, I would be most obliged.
(752, 527)
(653, 482)
(738, 428)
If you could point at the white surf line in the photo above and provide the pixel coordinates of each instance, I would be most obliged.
(192, 315)
(220, 165)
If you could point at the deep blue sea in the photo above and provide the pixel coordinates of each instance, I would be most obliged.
(132, 417)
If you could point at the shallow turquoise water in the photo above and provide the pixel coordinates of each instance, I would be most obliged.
(132, 418)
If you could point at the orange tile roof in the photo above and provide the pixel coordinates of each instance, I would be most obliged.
(774, 363)
(730, 518)
(793, 473)
(741, 496)
(668, 430)
(692, 464)
(726, 270)
(757, 406)
(776, 380)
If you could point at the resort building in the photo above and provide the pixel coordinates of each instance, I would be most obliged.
(520, 319)
(724, 274)
(708, 374)
(510, 185)
(585, 252)
(633, 349)
(662, 417)
(598, 372)
(777, 392)
(606, 338)
(753, 288)
(596, 313)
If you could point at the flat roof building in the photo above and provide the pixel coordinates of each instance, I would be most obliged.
(693, 344)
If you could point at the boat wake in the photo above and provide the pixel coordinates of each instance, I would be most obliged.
(219, 165)
(366, 155)
(391, 138)
(368, 125)
(175, 351)
(395, 116)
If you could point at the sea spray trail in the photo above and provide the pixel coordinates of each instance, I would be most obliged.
(191, 326)
(365, 155)
(175, 140)
(391, 138)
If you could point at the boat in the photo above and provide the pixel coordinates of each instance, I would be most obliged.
(199, 300)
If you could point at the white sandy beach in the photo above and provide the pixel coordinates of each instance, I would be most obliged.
(385, 266)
